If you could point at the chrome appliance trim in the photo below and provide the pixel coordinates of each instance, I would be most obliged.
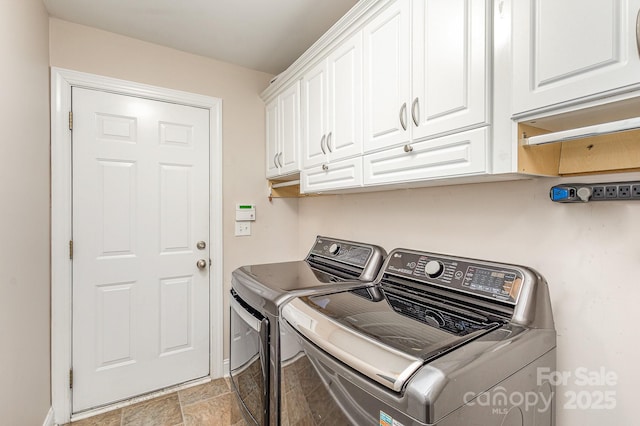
(379, 362)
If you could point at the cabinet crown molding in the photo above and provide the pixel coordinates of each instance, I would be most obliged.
(353, 20)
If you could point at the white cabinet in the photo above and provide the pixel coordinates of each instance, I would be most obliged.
(413, 102)
(314, 115)
(403, 96)
(571, 49)
(461, 154)
(332, 106)
(387, 73)
(425, 71)
(272, 133)
(449, 66)
(283, 132)
(338, 175)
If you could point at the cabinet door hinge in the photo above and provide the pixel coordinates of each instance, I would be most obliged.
(70, 249)
(70, 379)
(70, 120)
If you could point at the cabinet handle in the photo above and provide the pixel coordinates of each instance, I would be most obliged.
(325, 167)
(280, 159)
(638, 31)
(322, 144)
(415, 115)
(408, 148)
(329, 142)
(403, 116)
(275, 160)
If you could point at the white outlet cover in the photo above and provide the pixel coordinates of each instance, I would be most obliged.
(243, 229)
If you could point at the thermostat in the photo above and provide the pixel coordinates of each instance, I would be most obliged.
(245, 212)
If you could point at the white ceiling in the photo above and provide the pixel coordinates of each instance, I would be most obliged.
(264, 35)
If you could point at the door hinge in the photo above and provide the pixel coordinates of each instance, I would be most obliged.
(70, 379)
(70, 120)
(70, 249)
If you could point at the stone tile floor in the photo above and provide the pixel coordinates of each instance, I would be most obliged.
(212, 403)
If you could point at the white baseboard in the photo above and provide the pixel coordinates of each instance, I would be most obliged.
(48, 421)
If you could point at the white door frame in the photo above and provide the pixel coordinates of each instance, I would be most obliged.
(61, 219)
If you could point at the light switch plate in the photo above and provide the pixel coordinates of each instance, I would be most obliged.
(243, 229)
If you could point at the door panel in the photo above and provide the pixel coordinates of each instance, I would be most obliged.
(289, 110)
(386, 78)
(338, 175)
(345, 99)
(565, 50)
(273, 133)
(314, 95)
(176, 312)
(140, 204)
(449, 66)
(454, 155)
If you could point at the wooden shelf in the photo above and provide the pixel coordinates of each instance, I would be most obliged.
(288, 187)
(615, 152)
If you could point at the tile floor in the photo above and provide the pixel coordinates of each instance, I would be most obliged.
(212, 403)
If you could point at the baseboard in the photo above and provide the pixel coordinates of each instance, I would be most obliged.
(48, 421)
(225, 366)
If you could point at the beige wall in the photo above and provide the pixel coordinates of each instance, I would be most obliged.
(94, 51)
(589, 253)
(24, 228)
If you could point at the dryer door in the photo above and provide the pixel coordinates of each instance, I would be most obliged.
(248, 360)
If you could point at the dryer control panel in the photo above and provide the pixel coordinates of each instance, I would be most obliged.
(342, 251)
(485, 279)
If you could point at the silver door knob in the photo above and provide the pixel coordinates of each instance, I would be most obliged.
(201, 245)
(201, 264)
(408, 148)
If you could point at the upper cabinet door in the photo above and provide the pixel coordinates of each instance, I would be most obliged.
(564, 50)
(387, 78)
(344, 137)
(272, 133)
(314, 115)
(289, 111)
(450, 85)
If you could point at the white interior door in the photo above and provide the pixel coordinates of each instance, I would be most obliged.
(140, 206)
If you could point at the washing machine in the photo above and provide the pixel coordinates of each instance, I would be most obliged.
(439, 340)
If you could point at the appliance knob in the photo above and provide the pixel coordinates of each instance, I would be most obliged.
(433, 318)
(433, 269)
(334, 248)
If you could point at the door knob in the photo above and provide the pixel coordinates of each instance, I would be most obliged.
(201, 264)
(201, 245)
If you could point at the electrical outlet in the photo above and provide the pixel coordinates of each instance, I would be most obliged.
(624, 191)
(598, 192)
(602, 191)
(243, 228)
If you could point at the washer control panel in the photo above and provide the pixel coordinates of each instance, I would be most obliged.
(343, 251)
(488, 280)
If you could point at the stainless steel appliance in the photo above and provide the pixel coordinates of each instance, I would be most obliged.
(438, 340)
(259, 291)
